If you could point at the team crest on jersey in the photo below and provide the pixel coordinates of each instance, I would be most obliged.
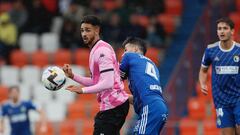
(236, 58)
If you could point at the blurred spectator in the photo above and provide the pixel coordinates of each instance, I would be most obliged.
(113, 30)
(18, 14)
(8, 36)
(69, 36)
(63, 5)
(75, 12)
(134, 29)
(155, 33)
(39, 19)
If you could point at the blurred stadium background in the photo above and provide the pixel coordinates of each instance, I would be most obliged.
(39, 33)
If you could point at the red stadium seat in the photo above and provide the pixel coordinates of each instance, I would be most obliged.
(196, 108)
(153, 54)
(168, 21)
(40, 58)
(3, 93)
(62, 56)
(109, 5)
(188, 126)
(81, 57)
(18, 58)
(174, 7)
(143, 20)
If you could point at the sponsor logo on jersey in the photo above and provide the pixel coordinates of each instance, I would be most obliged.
(227, 69)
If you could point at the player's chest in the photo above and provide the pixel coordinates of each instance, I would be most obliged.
(226, 59)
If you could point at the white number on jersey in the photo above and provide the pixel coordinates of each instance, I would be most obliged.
(150, 70)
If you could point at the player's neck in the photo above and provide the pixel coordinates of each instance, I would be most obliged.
(94, 42)
(226, 45)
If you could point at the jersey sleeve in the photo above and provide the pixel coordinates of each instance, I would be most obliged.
(31, 106)
(206, 59)
(124, 66)
(105, 59)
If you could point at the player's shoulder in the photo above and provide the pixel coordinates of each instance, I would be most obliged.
(130, 54)
(237, 44)
(213, 45)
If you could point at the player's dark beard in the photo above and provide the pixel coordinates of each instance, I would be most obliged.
(90, 41)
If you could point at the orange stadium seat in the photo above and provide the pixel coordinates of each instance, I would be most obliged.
(18, 58)
(87, 126)
(188, 126)
(196, 108)
(62, 56)
(168, 21)
(3, 93)
(68, 127)
(40, 58)
(174, 7)
(76, 110)
(209, 127)
(81, 57)
(50, 130)
(153, 54)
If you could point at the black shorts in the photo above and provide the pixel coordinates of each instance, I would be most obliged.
(110, 122)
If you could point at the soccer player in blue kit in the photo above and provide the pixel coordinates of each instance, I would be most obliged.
(144, 83)
(224, 58)
(17, 113)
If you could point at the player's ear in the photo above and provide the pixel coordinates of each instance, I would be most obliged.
(232, 32)
(97, 30)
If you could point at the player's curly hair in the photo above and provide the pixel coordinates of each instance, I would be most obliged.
(138, 42)
(226, 20)
(91, 19)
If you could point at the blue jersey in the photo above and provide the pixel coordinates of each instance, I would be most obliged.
(143, 77)
(225, 73)
(18, 116)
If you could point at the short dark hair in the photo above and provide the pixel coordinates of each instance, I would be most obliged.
(138, 42)
(226, 20)
(91, 19)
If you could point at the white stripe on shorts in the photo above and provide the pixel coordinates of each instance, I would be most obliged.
(143, 122)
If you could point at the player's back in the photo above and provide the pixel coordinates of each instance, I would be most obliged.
(143, 77)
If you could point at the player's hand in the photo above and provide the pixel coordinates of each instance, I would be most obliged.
(74, 88)
(68, 70)
(204, 89)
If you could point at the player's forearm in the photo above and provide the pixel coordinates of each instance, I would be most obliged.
(203, 76)
(130, 99)
(86, 81)
(106, 82)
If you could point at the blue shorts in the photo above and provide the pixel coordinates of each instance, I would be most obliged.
(151, 119)
(228, 116)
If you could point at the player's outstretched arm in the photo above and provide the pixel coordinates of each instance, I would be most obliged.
(203, 79)
(86, 81)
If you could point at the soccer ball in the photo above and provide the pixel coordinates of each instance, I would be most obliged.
(53, 78)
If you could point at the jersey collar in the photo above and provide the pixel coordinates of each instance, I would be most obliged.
(228, 50)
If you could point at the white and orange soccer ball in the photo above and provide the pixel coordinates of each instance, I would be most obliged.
(53, 78)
